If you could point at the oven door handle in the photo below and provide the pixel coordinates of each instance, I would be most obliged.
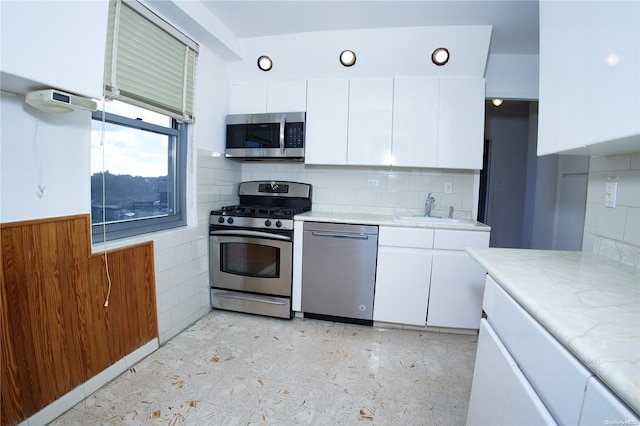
(245, 233)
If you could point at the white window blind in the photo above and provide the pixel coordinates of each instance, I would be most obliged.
(149, 63)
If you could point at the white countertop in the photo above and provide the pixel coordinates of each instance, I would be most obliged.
(589, 303)
(384, 220)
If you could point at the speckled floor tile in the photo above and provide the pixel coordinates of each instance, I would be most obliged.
(237, 369)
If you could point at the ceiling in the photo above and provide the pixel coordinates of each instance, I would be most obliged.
(515, 22)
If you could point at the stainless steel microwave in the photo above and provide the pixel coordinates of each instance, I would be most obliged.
(266, 136)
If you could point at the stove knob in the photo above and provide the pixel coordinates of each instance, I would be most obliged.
(279, 224)
(267, 222)
(220, 219)
(230, 220)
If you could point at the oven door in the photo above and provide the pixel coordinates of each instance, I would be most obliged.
(251, 261)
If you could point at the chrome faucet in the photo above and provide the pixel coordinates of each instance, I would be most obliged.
(427, 205)
(450, 212)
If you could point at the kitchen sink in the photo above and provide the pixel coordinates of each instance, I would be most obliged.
(428, 219)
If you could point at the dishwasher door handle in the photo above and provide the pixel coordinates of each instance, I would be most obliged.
(348, 236)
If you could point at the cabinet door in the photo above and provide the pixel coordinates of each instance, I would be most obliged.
(562, 76)
(248, 98)
(415, 121)
(612, 71)
(287, 96)
(490, 379)
(370, 115)
(601, 407)
(457, 285)
(402, 285)
(327, 121)
(461, 123)
(500, 393)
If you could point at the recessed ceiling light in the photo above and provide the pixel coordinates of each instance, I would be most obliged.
(496, 102)
(265, 63)
(347, 58)
(440, 56)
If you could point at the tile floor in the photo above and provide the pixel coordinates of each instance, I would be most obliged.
(238, 369)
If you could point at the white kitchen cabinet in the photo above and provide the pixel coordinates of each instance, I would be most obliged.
(44, 47)
(457, 281)
(589, 95)
(267, 96)
(558, 377)
(461, 123)
(415, 121)
(327, 121)
(602, 407)
(500, 394)
(370, 121)
(402, 275)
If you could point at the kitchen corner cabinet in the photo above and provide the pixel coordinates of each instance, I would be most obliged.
(267, 96)
(457, 281)
(402, 275)
(589, 99)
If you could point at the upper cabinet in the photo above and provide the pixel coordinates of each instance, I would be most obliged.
(589, 77)
(41, 46)
(461, 123)
(401, 121)
(327, 121)
(370, 119)
(415, 121)
(267, 96)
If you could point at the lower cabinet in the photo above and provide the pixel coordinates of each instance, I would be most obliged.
(500, 394)
(403, 275)
(524, 375)
(457, 281)
(424, 276)
(601, 407)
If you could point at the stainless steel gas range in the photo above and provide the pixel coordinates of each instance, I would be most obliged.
(251, 248)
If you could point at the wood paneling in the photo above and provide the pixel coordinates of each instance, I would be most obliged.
(56, 331)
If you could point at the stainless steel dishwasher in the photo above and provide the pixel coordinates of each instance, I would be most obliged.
(338, 271)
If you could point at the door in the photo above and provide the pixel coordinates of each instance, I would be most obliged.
(248, 263)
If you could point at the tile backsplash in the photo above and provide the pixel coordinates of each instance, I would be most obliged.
(614, 232)
(375, 190)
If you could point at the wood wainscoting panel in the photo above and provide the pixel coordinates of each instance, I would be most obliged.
(130, 319)
(56, 331)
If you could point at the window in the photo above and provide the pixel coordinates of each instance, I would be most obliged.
(140, 161)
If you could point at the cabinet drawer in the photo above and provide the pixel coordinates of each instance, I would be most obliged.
(449, 239)
(405, 237)
(556, 375)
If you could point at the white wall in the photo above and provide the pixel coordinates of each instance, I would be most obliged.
(614, 232)
(380, 52)
(41, 149)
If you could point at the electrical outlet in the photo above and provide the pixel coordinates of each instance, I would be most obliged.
(610, 193)
(372, 182)
(448, 187)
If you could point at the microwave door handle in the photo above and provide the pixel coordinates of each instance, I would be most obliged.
(282, 123)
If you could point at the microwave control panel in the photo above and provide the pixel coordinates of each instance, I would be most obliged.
(295, 135)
